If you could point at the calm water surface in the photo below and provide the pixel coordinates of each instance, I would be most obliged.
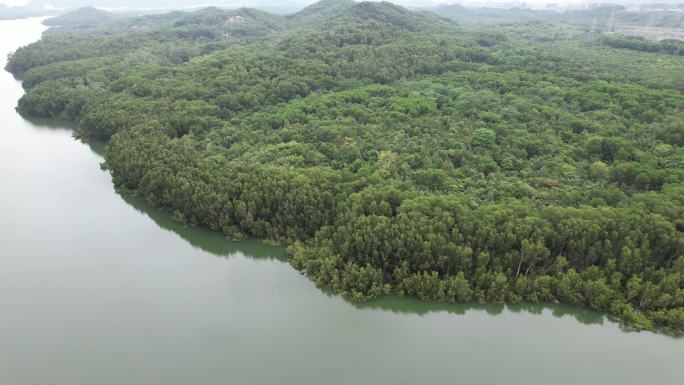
(98, 289)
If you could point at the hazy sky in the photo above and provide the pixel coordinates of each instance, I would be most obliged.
(405, 2)
(402, 2)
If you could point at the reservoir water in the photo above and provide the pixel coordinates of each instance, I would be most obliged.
(97, 288)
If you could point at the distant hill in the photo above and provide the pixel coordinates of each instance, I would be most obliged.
(214, 21)
(599, 17)
(339, 12)
(83, 16)
(278, 6)
(484, 15)
(236, 22)
(11, 13)
(321, 10)
(396, 15)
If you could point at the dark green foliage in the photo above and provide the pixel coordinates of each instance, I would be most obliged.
(672, 47)
(323, 9)
(393, 151)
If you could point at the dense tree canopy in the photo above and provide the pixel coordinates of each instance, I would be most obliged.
(395, 151)
(673, 47)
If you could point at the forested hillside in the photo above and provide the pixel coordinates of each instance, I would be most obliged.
(82, 16)
(395, 151)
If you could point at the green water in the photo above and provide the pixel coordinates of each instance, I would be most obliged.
(98, 289)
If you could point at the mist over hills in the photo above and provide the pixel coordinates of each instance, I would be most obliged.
(296, 5)
(10, 13)
(274, 6)
(596, 16)
(466, 12)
